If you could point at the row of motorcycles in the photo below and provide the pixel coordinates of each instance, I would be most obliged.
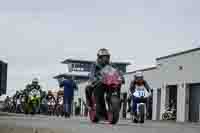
(35, 102)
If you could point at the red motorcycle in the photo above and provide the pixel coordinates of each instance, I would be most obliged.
(111, 81)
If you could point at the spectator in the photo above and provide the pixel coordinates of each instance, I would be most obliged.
(69, 87)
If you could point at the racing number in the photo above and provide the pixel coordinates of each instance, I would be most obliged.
(141, 93)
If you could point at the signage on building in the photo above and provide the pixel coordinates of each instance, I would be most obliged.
(79, 67)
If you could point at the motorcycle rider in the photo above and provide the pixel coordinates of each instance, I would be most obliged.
(33, 85)
(103, 59)
(138, 81)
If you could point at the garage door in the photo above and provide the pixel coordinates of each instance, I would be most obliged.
(194, 103)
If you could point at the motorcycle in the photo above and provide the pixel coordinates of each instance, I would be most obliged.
(23, 103)
(19, 105)
(169, 114)
(59, 109)
(12, 105)
(34, 101)
(111, 81)
(142, 94)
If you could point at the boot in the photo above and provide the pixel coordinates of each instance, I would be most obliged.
(135, 120)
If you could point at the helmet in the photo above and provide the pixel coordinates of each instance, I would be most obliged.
(50, 92)
(103, 56)
(35, 80)
(103, 52)
(138, 74)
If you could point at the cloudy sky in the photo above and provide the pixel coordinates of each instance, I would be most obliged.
(35, 35)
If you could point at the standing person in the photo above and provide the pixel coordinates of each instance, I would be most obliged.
(69, 87)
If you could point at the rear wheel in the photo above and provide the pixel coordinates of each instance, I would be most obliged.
(113, 115)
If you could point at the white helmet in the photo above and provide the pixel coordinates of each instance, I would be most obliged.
(139, 74)
(103, 52)
(35, 80)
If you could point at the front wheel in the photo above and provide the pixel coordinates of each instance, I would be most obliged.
(165, 116)
(113, 114)
(142, 113)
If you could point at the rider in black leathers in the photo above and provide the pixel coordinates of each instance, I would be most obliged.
(103, 59)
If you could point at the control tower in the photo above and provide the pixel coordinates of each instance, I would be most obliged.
(80, 69)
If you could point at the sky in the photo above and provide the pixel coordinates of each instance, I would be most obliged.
(36, 35)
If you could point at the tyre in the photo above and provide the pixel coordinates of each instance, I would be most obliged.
(142, 113)
(113, 115)
(33, 110)
(165, 116)
(58, 111)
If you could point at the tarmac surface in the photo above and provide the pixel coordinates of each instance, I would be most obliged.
(12, 123)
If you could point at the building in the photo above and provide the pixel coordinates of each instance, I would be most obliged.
(3, 77)
(176, 77)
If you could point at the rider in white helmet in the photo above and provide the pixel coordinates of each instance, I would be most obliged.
(33, 85)
(138, 81)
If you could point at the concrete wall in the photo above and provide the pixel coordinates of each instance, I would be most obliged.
(169, 69)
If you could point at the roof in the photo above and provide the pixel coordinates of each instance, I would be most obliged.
(77, 75)
(1, 61)
(143, 70)
(179, 53)
(69, 60)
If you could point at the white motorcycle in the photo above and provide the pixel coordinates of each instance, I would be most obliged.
(142, 94)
